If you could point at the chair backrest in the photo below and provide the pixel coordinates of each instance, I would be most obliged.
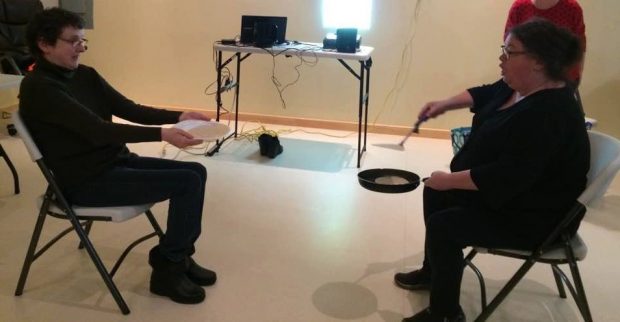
(604, 164)
(22, 130)
(14, 17)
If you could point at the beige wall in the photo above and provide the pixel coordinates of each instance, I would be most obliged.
(159, 52)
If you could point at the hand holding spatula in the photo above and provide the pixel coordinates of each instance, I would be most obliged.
(416, 129)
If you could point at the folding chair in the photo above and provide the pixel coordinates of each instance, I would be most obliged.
(6, 158)
(56, 205)
(560, 247)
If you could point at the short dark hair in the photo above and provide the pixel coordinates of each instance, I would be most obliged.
(558, 49)
(48, 25)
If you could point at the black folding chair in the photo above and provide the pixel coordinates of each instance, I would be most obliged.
(53, 203)
(559, 247)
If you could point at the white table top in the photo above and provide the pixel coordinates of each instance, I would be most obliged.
(10, 81)
(299, 49)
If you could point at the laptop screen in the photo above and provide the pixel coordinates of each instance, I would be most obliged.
(253, 27)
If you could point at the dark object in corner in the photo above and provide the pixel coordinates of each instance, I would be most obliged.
(269, 145)
(11, 129)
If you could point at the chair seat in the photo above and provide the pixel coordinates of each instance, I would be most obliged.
(555, 253)
(115, 214)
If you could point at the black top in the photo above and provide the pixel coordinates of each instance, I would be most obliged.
(529, 161)
(69, 114)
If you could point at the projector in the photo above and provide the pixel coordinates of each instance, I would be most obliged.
(345, 40)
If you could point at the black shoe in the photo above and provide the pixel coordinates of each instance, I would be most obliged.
(427, 316)
(169, 279)
(200, 275)
(419, 279)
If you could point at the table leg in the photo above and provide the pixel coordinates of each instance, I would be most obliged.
(360, 114)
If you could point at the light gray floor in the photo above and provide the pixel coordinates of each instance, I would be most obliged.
(292, 239)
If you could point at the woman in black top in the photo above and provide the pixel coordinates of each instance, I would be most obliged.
(521, 169)
(68, 108)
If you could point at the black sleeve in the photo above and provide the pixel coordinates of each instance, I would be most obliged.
(482, 95)
(126, 109)
(527, 152)
(49, 102)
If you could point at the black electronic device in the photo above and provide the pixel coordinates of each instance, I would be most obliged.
(331, 41)
(262, 31)
(346, 40)
(228, 41)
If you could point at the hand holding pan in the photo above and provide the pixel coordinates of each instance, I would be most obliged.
(416, 129)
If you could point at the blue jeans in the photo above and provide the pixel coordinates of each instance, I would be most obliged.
(140, 180)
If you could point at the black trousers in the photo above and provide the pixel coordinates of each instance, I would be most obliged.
(142, 180)
(453, 222)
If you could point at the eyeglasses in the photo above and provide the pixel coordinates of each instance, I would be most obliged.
(75, 42)
(507, 53)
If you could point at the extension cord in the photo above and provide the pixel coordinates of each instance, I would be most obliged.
(228, 85)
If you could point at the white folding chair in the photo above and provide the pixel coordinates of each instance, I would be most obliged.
(559, 247)
(53, 203)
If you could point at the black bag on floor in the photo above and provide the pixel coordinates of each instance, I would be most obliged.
(269, 145)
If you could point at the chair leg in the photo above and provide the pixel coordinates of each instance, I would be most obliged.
(107, 279)
(157, 232)
(100, 267)
(127, 250)
(30, 254)
(488, 310)
(483, 288)
(154, 223)
(580, 298)
(88, 226)
(558, 281)
(12, 168)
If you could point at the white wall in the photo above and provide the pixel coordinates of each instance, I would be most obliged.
(159, 52)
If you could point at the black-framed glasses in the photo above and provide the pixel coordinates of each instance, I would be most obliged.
(75, 42)
(507, 52)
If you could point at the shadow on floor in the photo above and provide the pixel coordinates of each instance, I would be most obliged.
(297, 154)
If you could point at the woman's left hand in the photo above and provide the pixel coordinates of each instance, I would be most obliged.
(193, 116)
(439, 180)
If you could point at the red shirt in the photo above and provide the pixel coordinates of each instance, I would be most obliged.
(566, 13)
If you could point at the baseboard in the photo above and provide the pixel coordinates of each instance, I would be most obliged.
(323, 124)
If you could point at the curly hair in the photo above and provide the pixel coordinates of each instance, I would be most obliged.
(556, 48)
(47, 26)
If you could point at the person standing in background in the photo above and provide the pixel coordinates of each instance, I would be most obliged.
(563, 13)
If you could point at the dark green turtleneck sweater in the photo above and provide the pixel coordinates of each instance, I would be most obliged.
(69, 114)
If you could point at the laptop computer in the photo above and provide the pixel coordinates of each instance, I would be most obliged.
(263, 31)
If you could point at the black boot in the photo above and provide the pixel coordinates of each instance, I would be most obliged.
(169, 279)
(200, 275)
(419, 279)
(427, 316)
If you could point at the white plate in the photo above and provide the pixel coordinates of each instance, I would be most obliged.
(204, 130)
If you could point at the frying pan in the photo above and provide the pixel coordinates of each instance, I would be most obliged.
(388, 180)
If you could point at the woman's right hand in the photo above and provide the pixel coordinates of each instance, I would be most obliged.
(178, 137)
(432, 110)
(436, 108)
